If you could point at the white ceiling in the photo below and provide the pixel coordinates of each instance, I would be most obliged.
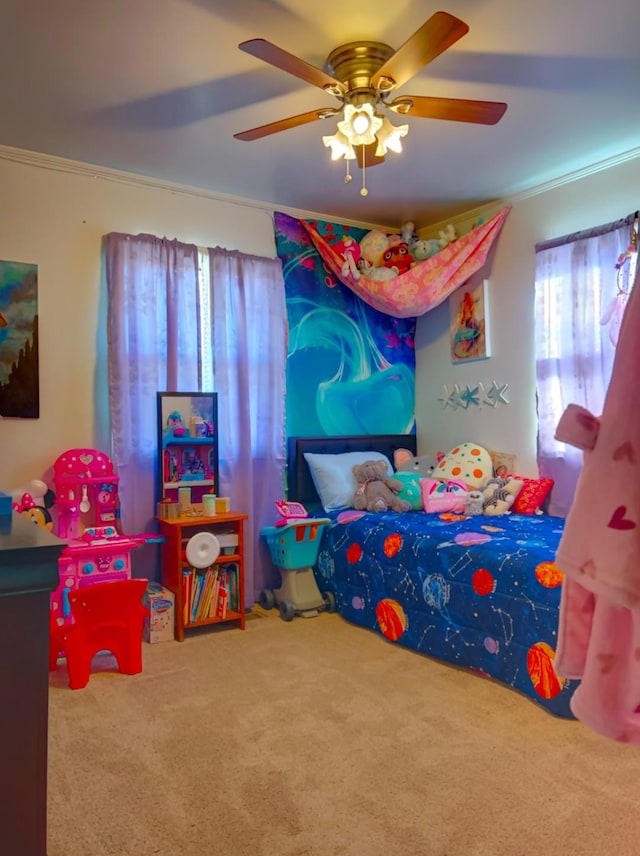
(159, 87)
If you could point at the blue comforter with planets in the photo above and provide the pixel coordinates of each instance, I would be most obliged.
(480, 592)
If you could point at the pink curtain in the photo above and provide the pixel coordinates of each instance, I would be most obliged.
(576, 280)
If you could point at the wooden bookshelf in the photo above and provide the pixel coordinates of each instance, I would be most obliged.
(229, 567)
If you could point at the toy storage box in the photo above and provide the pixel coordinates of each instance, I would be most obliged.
(158, 625)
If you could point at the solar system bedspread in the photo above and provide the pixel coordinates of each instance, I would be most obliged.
(480, 592)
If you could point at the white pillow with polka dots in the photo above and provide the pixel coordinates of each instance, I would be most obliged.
(468, 462)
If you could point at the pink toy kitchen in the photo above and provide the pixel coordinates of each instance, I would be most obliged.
(88, 519)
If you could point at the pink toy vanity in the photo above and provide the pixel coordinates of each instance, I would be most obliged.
(88, 518)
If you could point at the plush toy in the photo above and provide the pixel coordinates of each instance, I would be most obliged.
(475, 503)
(447, 235)
(352, 253)
(407, 233)
(500, 494)
(373, 246)
(380, 274)
(398, 256)
(406, 462)
(443, 496)
(376, 492)
(33, 500)
(469, 462)
(424, 249)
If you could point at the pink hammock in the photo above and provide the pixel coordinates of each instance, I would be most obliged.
(424, 286)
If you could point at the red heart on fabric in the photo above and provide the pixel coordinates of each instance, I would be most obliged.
(607, 662)
(624, 451)
(619, 521)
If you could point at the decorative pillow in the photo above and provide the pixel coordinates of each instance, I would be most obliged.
(334, 479)
(500, 495)
(439, 496)
(468, 463)
(410, 488)
(532, 496)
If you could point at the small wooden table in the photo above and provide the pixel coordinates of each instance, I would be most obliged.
(178, 576)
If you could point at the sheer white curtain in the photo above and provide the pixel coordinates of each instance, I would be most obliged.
(155, 343)
(152, 288)
(249, 322)
(576, 280)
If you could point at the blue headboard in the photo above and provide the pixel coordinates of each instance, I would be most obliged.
(300, 486)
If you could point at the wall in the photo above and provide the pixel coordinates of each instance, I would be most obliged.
(55, 215)
(586, 201)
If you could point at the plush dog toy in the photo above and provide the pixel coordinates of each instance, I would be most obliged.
(375, 491)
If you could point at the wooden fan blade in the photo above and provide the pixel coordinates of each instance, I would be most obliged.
(366, 155)
(268, 52)
(284, 124)
(453, 109)
(434, 36)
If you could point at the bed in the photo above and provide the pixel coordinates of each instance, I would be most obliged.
(482, 593)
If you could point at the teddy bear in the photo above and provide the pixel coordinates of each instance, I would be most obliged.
(375, 491)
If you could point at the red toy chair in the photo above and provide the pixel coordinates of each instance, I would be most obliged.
(107, 617)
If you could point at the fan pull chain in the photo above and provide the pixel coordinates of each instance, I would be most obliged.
(347, 177)
(363, 189)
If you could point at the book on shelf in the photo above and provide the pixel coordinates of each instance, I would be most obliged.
(186, 594)
(209, 593)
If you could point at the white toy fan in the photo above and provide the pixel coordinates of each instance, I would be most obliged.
(202, 550)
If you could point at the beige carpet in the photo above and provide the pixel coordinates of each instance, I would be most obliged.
(317, 738)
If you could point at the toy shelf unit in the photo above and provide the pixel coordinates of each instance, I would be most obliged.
(88, 519)
(203, 565)
(187, 445)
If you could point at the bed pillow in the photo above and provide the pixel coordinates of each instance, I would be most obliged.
(410, 488)
(440, 496)
(334, 479)
(532, 496)
(468, 463)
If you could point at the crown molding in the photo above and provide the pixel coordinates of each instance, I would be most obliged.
(80, 168)
(570, 177)
(54, 163)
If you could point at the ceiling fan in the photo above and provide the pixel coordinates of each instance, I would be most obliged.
(367, 73)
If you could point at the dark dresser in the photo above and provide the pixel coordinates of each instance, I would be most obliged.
(28, 575)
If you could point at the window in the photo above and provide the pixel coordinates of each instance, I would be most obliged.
(578, 305)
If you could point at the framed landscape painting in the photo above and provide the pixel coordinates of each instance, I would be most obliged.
(19, 383)
(469, 323)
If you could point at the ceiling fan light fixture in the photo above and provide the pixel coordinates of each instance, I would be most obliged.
(360, 124)
(390, 137)
(340, 146)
